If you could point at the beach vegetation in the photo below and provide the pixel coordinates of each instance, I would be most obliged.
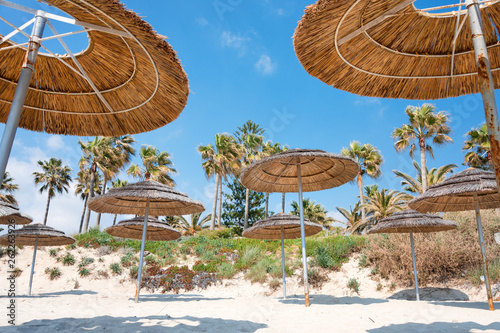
(68, 259)
(116, 268)
(354, 285)
(53, 273)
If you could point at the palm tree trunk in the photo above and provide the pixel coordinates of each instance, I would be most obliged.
(214, 204)
(247, 199)
(83, 214)
(91, 194)
(267, 205)
(47, 207)
(98, 218)
(361, 198)
(220, 203)
(283, 203)
(114, 220)
(423, 167)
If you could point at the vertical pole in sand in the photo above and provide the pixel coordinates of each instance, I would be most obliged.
(141, 258)
(22, 89)
(483, 252)
(303, 238)
(283, 261)
(414, 265)
(33, 265)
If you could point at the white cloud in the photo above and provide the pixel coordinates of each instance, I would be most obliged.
(237, 42)
(55, 142)
(265, 66)
(202, 21)
(338, 217)
(367, 101)
(280, 11)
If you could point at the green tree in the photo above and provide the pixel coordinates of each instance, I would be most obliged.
(196, 223)
(267, 150)
(312, 211)
(8, 187)
(117, 184)
(55, 178)
(434, 176)
(477, 146)
(157, 166)
(82, 188)
(384, 203)
(354, 223)
(425, 124)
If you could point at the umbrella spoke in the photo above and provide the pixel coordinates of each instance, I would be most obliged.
(16, 30)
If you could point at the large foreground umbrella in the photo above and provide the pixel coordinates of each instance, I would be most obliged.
(471, 189)
(156, 230)
(128, 80)
(10, 212)
(36, 235)
(145, 198)
(391, 49)
(281, 226)
(412, 221)
(299, 170)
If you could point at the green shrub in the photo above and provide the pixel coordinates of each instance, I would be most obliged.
(53, 252)
(260, 271)
(116, 268)
(354, 285)
(134, 271)
(84, 272)
(71, 246)
(85, 262)
(54, 273)
(226, 270)
(315, 277)
(250, 256)
(128, 259)
(68, 259)
(274, 283)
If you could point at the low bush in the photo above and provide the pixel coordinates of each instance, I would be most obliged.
(68, 259)
(53, 273)
(116, 268)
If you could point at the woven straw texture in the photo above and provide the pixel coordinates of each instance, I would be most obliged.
(140, 78)
(156, 230)
(456, 193)
(132, 199)
(391, 49)
(271, 227)
(47, 236)
(319, 170)
(10, 212)
(410, 220)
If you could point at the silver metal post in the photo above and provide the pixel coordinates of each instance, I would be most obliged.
(483, 252)
(283, 261)
(485, 83)
(303, 238)
(414, 264)
(21, 91)
(141, 258)
(33, 265)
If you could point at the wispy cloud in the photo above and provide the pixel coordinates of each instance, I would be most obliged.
(367, 101)
(238, 42)
(265, 66)
(202, 21)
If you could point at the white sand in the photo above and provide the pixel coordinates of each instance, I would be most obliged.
(233, 305)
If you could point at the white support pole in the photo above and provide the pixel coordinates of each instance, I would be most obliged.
(141, 258)
(303, 238)
(415, 273)
(283, 261)
(33, 265)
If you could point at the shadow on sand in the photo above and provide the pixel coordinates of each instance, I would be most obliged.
(468, 326)
(327, 299)
(137, 324)
(431, 294)
(58, 293)
(176, 298)
(470, 305)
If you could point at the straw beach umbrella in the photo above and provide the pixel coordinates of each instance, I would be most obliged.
(145, 198)
(36, 235)
(412, 221)
(10, 212)
(299, 170)
(391, 49)
(156, 230)
(471, 189)
(281, 226)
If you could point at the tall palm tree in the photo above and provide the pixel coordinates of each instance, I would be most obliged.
(9, 187)
(312, 211)
(54, 178)
(83, 188)
(425, 124)
(384, 203)
(220, 160)
(369, 160)
(117, 184)
(477, 146)
(354, 223)
(195, 224)
(434, 176)
(269, 149)
(156, 166)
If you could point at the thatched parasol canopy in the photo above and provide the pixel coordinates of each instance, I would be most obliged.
(319, 171)
(141, 81)
(272, 226)
(47, 236)
(409, 220)
(132, 199)
(10, 211)
(391, 49)
(156, 230)
(456, 193)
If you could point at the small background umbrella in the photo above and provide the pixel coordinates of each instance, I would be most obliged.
(412, 221)
(37, 235)
(281, 226)
(471, 189)
(299, 170)
(156, 230)
(10, 212)
(149, 198)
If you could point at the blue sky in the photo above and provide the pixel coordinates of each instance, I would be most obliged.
(241, 65)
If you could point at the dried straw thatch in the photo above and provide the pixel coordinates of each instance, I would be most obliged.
(391, 49)
(319, 171)
(133, 198)
(140, 77)
(456, 193)
(47, 236)
(272, 227)
(156, 230)
(409, 220)
(10, 212)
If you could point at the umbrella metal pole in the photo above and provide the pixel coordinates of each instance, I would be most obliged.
(414, 265)
(483, 252)
(283, 262)
(20, 95)
(485, 83)
(303, 239)
(33, 265)
(141, 258)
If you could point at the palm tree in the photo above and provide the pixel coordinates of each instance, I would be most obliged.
(424, 124)
(9, 187)
(267, 150)
(434, 176)
(384, 203)
(157, 166)
(117, 184)
(196, 223)
(221, 161)
(55, 178)
(369, 160)
(83, 188)
(477, 145)
(354, 223)
(312, 211)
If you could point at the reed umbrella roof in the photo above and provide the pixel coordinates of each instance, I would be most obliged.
(456, 193)
(271, 227)
(391, 49)
(132, 199)
(156, 230)
(410, 220)
(139, 77)
(47, 236)
(320, 170)
(10, 211)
